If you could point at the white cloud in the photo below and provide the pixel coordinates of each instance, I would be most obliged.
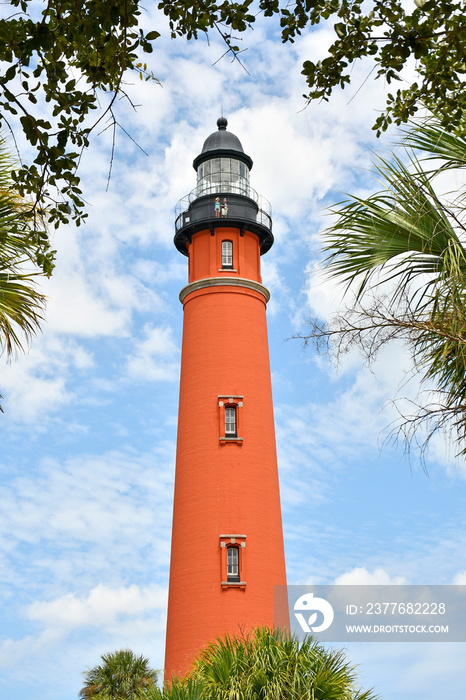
(77, 630)
(360, 576)
(94, 507)
(156, 357)
(37, 383)
(350, 420)
(160, 274)
(102, 607)
(90, 293)
(324, 294)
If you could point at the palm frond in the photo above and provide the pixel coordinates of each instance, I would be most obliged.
(21, 304)
(121, 676)
(271, 665)
(405, 246)
(21, 310)
(429, 136)
(401, 231)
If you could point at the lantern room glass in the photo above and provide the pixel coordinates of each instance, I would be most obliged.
(222, 175)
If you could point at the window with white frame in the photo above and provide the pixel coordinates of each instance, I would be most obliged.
(230, 425)
(227, 255)
(233, 548)
(230, 421)
(232, 564)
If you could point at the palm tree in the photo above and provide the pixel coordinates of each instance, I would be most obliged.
(121, 676)
(21, 305)
(267, 665)
(402, 251)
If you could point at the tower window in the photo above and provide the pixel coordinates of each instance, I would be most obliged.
(230, 424)
(233, 549)
(230, 421)
(227, 254)
(232, 565)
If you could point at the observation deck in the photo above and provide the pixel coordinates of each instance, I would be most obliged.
(246, 210)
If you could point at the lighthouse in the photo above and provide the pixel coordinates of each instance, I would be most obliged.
(227, 551)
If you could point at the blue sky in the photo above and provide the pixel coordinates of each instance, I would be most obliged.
(88, 434)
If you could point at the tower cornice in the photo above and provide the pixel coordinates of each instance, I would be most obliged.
(224, 282)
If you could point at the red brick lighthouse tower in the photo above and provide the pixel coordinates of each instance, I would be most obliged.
(227, 543)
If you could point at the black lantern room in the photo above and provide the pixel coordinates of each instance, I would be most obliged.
(223, 196)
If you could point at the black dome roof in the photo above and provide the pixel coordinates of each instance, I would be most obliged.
(222, 143)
